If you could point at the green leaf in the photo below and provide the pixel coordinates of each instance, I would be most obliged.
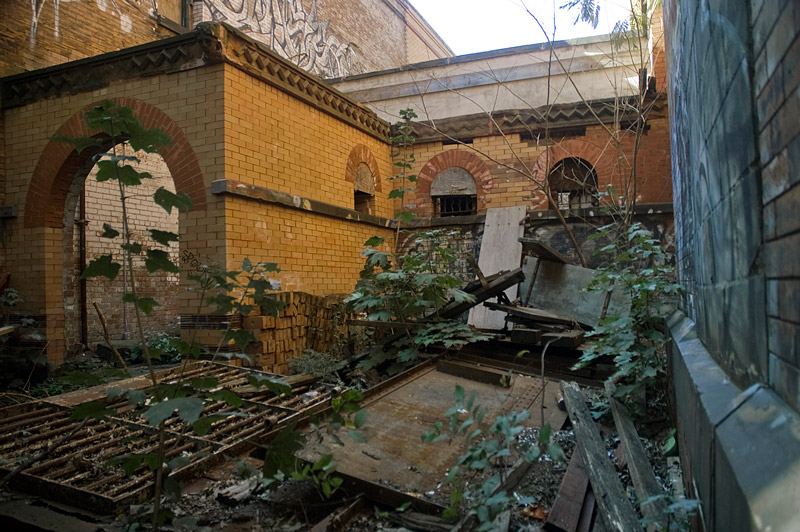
(159, 260)
(102, 266)
(459, 395)
(374, 241)
(163, 237)
(240, 337)
(145, 304)
(273, 384)
(93, 409)
(109, 232)
(229, 397)
(167, 200)
(356, 435)
(279, 454)
(202, 426)
(360, 418)
(189, 410)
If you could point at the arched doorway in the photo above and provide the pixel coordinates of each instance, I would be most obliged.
(52, 207)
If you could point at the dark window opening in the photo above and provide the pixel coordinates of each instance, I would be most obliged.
(364, 203)
(455, 205)
(573, 184)
(454, 193)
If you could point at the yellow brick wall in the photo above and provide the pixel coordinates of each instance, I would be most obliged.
(34, 256)
(103, 205)
(275, 141)
(32, 36)
(317, 254)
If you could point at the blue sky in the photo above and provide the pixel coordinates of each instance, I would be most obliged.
(479, 25)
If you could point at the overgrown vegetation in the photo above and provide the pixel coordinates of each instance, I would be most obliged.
(479, 490)
(635, 341)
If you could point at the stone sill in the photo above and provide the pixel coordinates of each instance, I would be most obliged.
(283, 199)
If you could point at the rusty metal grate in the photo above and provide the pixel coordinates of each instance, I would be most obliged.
(82, 471)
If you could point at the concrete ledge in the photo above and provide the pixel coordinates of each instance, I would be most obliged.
(276, 197)
(740, 448)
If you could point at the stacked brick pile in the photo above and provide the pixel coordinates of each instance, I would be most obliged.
(306, 322)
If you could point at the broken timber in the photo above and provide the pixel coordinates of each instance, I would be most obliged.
(612, 500)
(644, 480)
(567, 510)
(542, 250)
(531, 314)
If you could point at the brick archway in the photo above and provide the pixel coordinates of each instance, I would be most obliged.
(361, 154)
(58, 173)
(461, 158)
(602, 164)
(59, 163)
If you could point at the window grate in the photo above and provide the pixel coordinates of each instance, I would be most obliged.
(461, 205)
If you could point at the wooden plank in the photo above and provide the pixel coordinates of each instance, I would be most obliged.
(8, 329)
(642, 475)
(543, 250)
(523, 335)
(570, 338)
(496, 286)
(612, 500)
(532, 314)
(500, 250)
(474, 372)
(566, 511)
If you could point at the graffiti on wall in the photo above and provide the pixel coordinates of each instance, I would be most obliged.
(37, 7)
(286, 27)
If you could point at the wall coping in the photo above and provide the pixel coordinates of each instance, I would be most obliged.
(291, 201)
(752, 440)
(208, 44)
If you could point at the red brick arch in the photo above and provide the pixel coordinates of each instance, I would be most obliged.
(602, 162)
(461, 158)
(59, 163)
(361, 154)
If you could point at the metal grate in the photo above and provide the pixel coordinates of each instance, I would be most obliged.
(461, 205)
(83, 472)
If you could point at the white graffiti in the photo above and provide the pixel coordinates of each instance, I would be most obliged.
(287, 28)
(37, 6)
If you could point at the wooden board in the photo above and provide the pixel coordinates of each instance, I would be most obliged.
(500, 250)
(612, 500)
(543, 250)
(560, 288)
(566, 512)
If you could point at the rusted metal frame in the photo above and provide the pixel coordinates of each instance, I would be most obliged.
(474, 372)
(64, 424)
(400, 380)
(49, 464)
(27, 422)
(533, 280)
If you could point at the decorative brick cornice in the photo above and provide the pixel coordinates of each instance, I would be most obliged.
(532, 121)
(207, 44)
(259, 61)
(190, 50)
(283, 199)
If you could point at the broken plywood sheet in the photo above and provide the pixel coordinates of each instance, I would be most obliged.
(559, 288)
(394, 454)
(500, 250)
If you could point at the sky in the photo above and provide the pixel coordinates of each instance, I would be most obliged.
(469, 26)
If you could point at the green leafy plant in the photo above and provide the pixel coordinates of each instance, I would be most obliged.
(281, 463)
(635, 341)
(407, 289)
(489, 448)
(403, 158)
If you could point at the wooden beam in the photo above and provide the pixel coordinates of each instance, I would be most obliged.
(642, 475)
(566, 512)
(612, 500)
(543, 250)
(532, 314)
(474, 372)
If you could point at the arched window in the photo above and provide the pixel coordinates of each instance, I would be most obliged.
(454, 193)
(573, 184)
(364, 189)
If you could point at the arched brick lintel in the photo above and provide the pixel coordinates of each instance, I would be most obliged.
(581, 149)
(361, 154)
(461, 158)
(59, 162)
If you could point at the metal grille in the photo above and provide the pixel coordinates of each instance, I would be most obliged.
(82, 471)
(462, 205)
